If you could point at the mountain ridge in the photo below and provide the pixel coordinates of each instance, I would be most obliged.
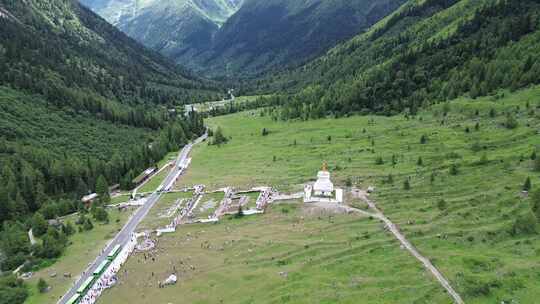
(256, 37)
(424, 52)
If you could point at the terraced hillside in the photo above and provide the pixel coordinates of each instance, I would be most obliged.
(451, 177)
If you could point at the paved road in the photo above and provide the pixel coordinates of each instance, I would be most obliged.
(124, 236)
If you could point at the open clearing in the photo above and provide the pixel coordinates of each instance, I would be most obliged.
(461, 219)
(156, 217)
(286, 256)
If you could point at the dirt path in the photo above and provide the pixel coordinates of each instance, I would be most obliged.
(401, 238)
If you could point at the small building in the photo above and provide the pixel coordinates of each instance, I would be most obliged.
(54, 222)
(90, 198)
(144, 176)
(114, 188)
(323, 189)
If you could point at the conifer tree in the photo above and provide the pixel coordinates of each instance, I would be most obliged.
(527, 185)
(102, 189)
(407, 184)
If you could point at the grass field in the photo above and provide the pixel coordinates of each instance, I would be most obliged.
(285, 256)
(208, 205)
(465, 194)
(155, 218)
(153, 183)
(122, 198)
(252, 203)
(83, 249)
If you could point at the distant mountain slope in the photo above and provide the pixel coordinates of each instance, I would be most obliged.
(427, 51)
(237, 37)
(173, 27)
(265, 35)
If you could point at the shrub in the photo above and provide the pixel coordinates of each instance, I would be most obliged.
(39, 224)
(483, 159)
(527, 185)
(524, 225)
(442, 205)
(478, 288)
(13, 290)
(537, 164)
(219, 138)
(476, 146)
(42, 285)
(536, 204)
(407, 184)
(100, 215)
(379, 161)
(348, 182)
(423, 139)
(511, 122)
(68, 229)
(454, 169)
(87, 226)
(240, 212)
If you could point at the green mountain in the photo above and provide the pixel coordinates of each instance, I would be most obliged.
(268, 35)
(176, 28)
(80, 102)
(426, 51)
(242, 38)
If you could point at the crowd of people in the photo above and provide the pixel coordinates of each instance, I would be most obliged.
(263, 199)
(108, 278)
(183, 213)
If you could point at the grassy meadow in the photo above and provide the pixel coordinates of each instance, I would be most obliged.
(153, 183)
(208, 205)
(465, 163)
(157, 218)
(289, 255)
(83, 248)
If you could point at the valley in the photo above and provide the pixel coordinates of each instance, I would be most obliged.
(276, 151)
(455, 219)
(241, 39)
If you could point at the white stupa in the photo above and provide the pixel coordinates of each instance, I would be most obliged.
(323, 186)
(323, 189)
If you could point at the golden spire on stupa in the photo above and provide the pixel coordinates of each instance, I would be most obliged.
(325, 166)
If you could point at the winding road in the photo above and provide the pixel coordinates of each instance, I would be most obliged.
(124, 236)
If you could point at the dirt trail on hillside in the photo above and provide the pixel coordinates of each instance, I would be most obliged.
(401, 238)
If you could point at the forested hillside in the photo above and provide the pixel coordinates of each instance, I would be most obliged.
(82, 107)
(427, 51)
(272, 34)
(237, 38)
(176, 28)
